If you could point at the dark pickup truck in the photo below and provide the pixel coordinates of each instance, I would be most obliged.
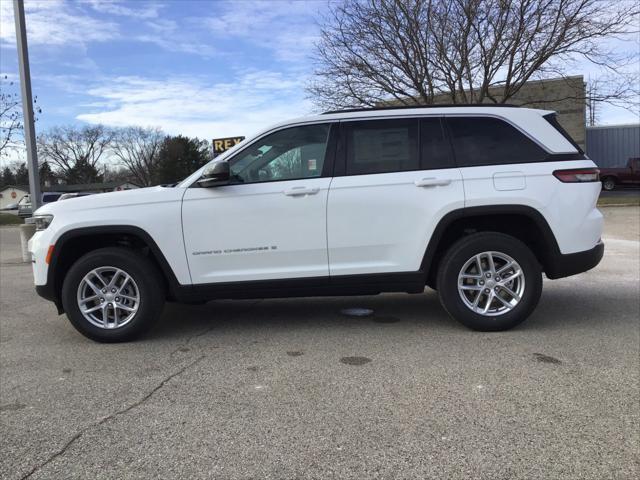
(629, 175)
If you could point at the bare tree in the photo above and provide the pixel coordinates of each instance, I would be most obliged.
(137, 149)
(75, 151)
(469, 51)
(11, 128)
(10, 116)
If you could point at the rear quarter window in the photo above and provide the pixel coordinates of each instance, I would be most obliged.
(481, 141)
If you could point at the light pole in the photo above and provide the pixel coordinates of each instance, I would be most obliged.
(27, 105)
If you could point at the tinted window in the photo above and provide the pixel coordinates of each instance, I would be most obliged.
(380, 146)
(489, 141)
(287, 154)
(50, 197)
(434, 146)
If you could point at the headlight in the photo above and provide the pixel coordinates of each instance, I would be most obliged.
(42, 221)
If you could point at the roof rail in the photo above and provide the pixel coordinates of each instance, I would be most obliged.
(401, 107)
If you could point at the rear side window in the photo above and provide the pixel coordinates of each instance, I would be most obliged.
(380, 146)
(435, 150)
(490, 141)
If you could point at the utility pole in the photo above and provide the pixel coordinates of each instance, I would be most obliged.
(27, 105)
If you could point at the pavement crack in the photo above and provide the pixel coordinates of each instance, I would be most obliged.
(206, 330)
(103, 420)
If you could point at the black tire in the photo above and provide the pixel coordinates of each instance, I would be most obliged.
(474, 244)
(145, 274)
(608, 183)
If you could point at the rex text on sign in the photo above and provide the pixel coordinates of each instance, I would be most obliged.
(223, 144)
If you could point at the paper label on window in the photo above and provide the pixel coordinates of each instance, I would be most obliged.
(312, 164)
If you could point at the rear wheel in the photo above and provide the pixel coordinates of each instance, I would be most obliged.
(113, 294)
(608, 183)
(489, 281)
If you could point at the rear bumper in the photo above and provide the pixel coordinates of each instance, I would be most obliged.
(561, 265)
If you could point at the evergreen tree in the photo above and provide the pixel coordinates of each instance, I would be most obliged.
(46, 174)
(8, 177)
(179, 157)
(22, 175)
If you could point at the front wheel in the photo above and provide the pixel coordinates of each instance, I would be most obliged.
(113, 294)
(489, 281)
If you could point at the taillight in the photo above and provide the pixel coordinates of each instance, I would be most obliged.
(578, 175)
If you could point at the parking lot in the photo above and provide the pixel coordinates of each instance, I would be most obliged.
(295, 389)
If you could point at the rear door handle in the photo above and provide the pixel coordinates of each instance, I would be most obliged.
(296, 191)
(432, 182)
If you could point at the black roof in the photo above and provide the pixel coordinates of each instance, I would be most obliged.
(434, 105)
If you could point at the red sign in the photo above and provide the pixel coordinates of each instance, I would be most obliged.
(14, 194)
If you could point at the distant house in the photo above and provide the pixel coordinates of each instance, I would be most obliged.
(92, 187)
(12, 194)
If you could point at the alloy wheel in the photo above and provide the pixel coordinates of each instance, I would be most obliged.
(491, 283)
(108, 297)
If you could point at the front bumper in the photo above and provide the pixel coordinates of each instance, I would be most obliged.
(559, 265)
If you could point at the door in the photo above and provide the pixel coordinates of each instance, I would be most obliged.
(632, 173)
(269, 222)
(395, 180)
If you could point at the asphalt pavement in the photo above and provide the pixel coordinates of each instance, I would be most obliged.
(292, 388)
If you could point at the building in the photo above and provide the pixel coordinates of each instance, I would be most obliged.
(612, 146)
(12, 194)
(566, 96)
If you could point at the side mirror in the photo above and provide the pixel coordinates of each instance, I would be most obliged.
(215, 175)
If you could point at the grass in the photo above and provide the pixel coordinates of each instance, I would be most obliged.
(10, 219)
(613, 201)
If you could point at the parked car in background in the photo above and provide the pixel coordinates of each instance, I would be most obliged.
(67, 196)
(11, 206)
(629, 175)
(24, 205)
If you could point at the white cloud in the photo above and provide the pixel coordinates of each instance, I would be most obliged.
(117, 7)
(55, 22)
(66, 23)
(287, 28)
(195, 107)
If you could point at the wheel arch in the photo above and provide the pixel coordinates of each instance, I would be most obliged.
(72, 244)
(520, 221)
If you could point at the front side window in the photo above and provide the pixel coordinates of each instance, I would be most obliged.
(491, 141)
(289, 154)
(380, 146)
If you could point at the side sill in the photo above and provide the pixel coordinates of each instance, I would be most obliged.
(409, 282)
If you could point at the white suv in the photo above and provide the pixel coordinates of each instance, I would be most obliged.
(475, 202)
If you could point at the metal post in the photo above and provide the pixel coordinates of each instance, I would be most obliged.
(27, 105)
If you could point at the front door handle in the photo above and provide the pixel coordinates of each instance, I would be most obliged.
(296, 191)
(432, 182)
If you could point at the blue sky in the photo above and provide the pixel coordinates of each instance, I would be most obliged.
(200, 68)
